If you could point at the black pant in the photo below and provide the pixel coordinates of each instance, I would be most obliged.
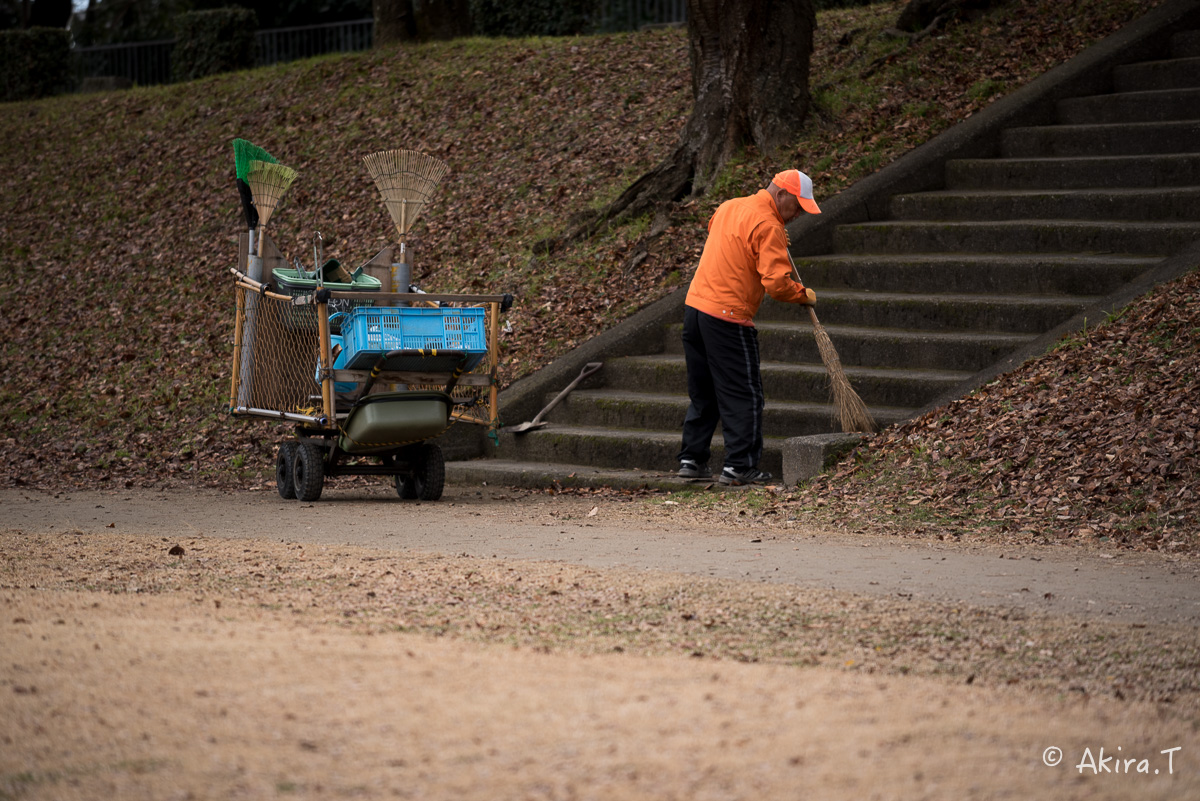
(724, 385)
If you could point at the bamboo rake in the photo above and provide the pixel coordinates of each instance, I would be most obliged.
(406, 180)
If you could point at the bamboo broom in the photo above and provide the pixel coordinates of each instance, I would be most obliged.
(268, 182)
(850, 411)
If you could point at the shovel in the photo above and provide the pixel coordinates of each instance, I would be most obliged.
(536, 422)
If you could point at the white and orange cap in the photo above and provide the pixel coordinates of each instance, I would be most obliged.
(799, 185)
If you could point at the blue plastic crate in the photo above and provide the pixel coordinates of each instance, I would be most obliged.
(370, 332)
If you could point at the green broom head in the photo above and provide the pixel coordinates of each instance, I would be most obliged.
(268, 182)
(244, 153)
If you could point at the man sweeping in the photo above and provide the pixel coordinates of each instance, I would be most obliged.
(744, 257)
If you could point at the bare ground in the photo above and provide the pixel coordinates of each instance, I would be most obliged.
(515, 645)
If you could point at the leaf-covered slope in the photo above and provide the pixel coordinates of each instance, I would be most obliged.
(1094, 440)
(121, 214)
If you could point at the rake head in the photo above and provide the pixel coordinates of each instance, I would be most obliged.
(268, 182)
(406, 180)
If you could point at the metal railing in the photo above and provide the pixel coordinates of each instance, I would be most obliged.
(142, 63)
(290, 44)
(632, 15)
(147, 63)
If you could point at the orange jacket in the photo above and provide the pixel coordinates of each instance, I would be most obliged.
(745, 255)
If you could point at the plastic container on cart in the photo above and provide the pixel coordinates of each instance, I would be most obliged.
(368, 332)
(393, 419)
(337, 347)
(290, 282)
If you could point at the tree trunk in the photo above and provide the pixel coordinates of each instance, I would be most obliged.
(441, 19)
(393, 21)
(750, 63)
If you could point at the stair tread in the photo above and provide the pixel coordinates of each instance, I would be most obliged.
(869, 296)
(1160, 62)
(1136, 191)
(1096, 160)
(908, 333)
(1039, 221)
(770, 441)
(652, 434)
(982, 258)
(513, 471)
(1144, 125)
(1136, 94)
(683, 400)
(816, 367)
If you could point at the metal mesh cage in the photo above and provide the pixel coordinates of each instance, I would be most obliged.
(276, 365)
(276, 356)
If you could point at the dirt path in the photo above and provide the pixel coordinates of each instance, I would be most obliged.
(1121, 586)
(288, 650)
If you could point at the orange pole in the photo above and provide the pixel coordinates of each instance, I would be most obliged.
(493, 355)
(326, 361)
(239, 295)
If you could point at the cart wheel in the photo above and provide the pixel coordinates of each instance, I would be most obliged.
(428, 480)
(308, 472)
(283, 471)
(406, 487)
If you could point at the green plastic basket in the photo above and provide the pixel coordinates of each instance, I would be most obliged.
(291, 282)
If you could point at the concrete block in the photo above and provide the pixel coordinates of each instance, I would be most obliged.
(805, 457)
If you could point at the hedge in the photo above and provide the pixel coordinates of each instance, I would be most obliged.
(533, 17)
(34, 63)
(208, 42)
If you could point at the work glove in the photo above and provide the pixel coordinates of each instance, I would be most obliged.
(809, 299)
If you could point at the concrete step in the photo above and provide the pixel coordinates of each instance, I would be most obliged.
(1158, 105)
(1165, 205)
(1173, 73)
(613, 408)
(967, 351)
(1017, 236)
(1118, 139)
(512, 473)
(618, 448)
(1185, 44)
(1099, 172)
(1066, 274)
(1008, 312)
(786, 381)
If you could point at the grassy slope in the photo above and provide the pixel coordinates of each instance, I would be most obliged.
(122, 215)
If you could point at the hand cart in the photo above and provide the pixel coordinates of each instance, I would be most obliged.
(348, 422)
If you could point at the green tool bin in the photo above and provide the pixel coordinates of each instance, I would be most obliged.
(391, 419)
(291, 282)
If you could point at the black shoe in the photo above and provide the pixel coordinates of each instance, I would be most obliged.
(690, 469)
(736, 478)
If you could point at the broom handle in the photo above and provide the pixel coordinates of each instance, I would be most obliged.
(812, 311)
(796, 274)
